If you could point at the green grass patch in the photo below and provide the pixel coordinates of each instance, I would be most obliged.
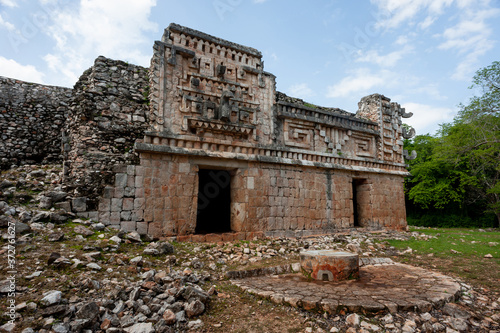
(468, 262)
(468, 242)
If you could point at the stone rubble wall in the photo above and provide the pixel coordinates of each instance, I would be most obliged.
(108, 114)
(32, 117)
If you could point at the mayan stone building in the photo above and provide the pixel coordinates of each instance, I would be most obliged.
(201, 146)
(226, 153)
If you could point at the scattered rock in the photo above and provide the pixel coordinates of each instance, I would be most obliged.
(53, 256)
(140, 328)
(116, 239)
(94, 266)
(89, 310)
(136, 261)
(51, 297)
(83, 231)
(352, 319)
(22, 227)
(134, 236)
(56, 237)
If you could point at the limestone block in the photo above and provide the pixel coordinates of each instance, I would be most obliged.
(104, 218)
(155, 230)
(65, 205)
(116, 204)
(108, 192)
(93, 215)
(114, 218)
(128, 204)
(139, 203)
(104, 205)
(125, 215)
(121, 180)
(142, 228)
(128, 226)
(119, 192)
(131, 170)
(79, 204)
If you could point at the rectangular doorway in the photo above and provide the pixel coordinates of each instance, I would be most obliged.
(358, 200)
(214, 201)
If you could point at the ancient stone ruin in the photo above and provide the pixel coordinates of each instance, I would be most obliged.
(201, 146)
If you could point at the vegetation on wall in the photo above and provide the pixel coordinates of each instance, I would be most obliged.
(455, 178)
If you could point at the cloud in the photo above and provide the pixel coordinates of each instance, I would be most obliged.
(427, 22)
(427, 117)
(113, 28)
(388, 60)
(470, 37)
(362, 81)
(301, 90)
(11, 68)
(259, 1)
(401, 11)
(8, 3)
(9, 26)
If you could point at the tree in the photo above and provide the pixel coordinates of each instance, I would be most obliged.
(461, 166)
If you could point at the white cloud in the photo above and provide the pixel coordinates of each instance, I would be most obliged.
(9, 3)
(400, 11)
(11, 68)
(426, 118)
(427, 22)
(362, 81)
(259, 1)
(470, 37)
(388, 60)
(9, 26)
(301, 90)
(112, 28)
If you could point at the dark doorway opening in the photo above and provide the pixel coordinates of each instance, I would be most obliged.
(356, 185)
(214, 201)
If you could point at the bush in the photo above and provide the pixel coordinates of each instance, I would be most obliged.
(452, 221)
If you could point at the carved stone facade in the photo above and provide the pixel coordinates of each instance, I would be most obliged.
(222, 136)
(201, 146)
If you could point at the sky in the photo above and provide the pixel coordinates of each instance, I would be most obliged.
(419, 53)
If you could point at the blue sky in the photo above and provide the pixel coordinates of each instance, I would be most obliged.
(420, 53)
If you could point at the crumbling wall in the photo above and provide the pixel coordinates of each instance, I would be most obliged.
(108, 113)
(31, 119)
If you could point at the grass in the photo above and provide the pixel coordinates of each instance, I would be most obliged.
(457, 251)
(466, 241)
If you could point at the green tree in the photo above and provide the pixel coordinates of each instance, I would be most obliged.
(460, 167)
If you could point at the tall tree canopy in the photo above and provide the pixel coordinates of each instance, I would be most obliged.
(460, 167)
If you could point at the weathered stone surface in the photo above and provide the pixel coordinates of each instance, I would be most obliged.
(379, 286)
(329, 265)
(32, 117)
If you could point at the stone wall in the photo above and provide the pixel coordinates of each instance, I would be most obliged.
(108, 114)
(32, 117)
(266, 198)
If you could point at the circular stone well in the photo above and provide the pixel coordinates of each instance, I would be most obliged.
(329, 265)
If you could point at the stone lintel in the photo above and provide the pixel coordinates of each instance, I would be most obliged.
(164, 149)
